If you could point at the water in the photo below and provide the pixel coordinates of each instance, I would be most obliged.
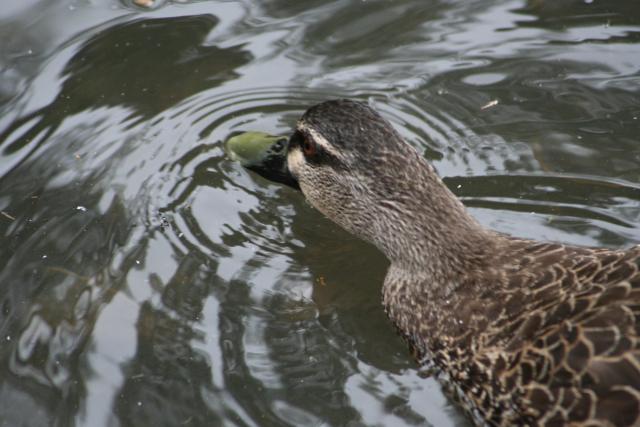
(145, 279)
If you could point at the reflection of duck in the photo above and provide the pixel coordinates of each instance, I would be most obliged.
(520, 332)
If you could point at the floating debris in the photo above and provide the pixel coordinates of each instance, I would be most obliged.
(6, 215)
(144, 3)
(489, 104)
(81, 208)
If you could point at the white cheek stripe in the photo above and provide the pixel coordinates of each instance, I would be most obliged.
(295, 161)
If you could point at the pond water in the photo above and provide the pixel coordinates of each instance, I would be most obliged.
(145, 279)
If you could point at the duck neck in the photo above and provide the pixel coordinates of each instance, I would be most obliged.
(424, 230)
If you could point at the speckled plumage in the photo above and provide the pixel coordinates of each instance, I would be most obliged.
(547, 335)
(519, 332)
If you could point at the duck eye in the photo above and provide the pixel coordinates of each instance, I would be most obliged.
(308, 147)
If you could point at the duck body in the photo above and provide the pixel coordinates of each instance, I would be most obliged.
(545, 335)
(518, 332)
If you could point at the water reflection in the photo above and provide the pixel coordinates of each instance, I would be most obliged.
(146, 279)
(142, 67)
(74, 246)
(559, 16)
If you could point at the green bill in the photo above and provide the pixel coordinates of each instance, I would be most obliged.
(264, 154)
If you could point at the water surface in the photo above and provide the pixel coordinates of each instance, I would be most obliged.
(145, 279)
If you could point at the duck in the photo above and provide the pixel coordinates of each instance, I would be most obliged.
(517, 331)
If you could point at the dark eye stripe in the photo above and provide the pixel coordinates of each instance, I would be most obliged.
(296, 140)
(309, 147)
(318, 156)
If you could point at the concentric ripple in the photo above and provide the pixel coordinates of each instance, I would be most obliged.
(146, 279)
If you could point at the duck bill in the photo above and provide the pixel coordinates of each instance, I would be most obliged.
(263, 154)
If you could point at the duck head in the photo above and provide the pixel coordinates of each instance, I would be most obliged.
(352, 165)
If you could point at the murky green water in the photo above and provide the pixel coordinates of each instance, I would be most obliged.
(145, 279)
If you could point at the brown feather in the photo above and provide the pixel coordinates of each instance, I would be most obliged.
(519, 332)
